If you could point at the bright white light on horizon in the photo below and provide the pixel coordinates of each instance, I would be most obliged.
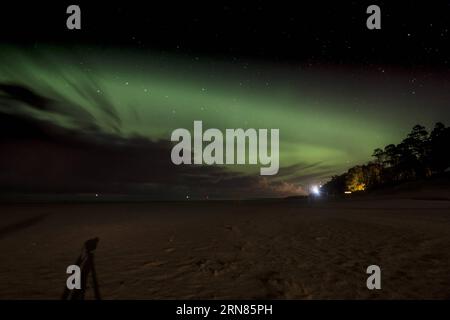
(315, 190)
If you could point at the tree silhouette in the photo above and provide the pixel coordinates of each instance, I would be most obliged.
(439, 151)
(419, 155)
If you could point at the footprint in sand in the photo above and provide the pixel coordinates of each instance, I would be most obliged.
(278, 287)
(215, 267)
(232, 228)
(154, 263)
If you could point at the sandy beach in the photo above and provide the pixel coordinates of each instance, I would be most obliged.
(231, 250)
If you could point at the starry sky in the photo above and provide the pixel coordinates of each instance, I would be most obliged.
(91, 111)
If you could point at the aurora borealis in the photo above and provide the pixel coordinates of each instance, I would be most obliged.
(331, 115)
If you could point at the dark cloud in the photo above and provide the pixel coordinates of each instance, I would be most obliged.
(42, 156)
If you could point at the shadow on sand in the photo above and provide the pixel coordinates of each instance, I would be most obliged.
(23, 224)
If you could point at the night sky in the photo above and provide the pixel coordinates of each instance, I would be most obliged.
(90, 111)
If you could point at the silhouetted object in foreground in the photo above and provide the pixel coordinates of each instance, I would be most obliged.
(86, 263)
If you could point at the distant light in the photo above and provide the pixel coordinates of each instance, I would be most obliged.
(96, 195)
(315, 190)
(347, 192)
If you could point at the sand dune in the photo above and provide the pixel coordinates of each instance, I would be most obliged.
(231, 250)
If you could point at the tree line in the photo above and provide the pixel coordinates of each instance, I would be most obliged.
(420, 155)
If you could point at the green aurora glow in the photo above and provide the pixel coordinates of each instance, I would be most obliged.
(330, 118)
